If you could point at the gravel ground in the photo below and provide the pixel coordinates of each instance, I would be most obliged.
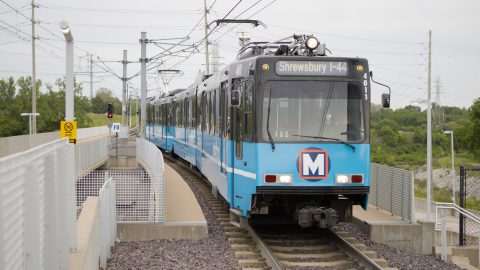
(213, 252)
(397, 258)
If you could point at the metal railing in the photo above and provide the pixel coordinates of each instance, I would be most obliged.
(391, 189)
(108, 220)
(90, 154)
(37, 207)
(440, 224)
(151, 159)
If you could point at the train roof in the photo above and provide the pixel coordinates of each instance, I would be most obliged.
(295, 45)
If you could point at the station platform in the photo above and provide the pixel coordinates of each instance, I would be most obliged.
(184, 218)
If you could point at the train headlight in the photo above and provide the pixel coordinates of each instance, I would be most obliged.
(342, 179)
(311, 43)
(285, 179)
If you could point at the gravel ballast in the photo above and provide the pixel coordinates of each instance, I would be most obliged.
(214, 252)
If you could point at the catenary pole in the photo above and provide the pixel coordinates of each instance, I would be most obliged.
(34, 79)
(91, 76)
(143, 82)
(124, 87)
(207, 64)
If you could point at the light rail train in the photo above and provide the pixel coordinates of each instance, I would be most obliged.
(282, 130)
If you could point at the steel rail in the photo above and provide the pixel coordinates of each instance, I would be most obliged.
(365, 260)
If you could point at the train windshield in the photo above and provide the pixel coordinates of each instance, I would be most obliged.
(306, 111)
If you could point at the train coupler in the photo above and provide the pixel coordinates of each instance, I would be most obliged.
(319, 216)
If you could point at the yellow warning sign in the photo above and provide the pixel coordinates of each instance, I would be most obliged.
(69, 129)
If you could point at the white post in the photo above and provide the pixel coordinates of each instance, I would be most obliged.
(453, 170)
(429, 129)
(71, 198)
(69, 85)
(444, 255)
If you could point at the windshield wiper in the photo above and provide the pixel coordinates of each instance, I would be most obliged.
(268, 121)
(327, 138)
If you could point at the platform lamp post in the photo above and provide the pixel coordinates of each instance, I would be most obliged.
(453, 163)
(30, 116)
(69, 91)
(71, 219)
(429, 152)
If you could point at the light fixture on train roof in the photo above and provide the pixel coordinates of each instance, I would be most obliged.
(311, 43)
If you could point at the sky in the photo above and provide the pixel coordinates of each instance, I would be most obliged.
(392, 35)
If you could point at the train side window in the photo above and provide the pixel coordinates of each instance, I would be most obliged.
(215, 113)
(222, 117)
(201, 112)
(185, 111)
(248, 110)
(193, 111)
(210, 112)
(238, 122)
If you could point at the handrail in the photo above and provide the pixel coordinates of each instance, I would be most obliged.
(443, 229)
(456, 208)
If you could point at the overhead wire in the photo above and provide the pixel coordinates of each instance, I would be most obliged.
(104, 10)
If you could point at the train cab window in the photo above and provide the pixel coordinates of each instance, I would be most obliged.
(314, 109)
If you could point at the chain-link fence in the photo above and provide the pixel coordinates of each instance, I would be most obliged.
(136, 198)
(469, 199)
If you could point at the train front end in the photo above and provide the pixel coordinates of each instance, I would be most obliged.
(313, 152)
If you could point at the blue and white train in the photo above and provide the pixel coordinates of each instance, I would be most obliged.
(283, 130)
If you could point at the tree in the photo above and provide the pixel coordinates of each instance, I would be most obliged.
(475, 118)
(16, 98)
(102, 98)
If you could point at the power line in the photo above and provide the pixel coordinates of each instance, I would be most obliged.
(80, 9)
(350, 37)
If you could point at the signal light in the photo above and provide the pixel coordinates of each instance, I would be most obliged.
(109, 110)
(357, 178)
(270, 178)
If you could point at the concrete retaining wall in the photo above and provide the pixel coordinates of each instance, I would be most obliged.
(87, 255)
(415, 238)
(129, 232)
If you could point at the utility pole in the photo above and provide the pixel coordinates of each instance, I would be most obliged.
(143, 82)
(215, 57)
(124, 85)
(429, 127)
(207, 64)
(91, 77)
(34, 79)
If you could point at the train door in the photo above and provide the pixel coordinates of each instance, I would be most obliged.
(236, 145)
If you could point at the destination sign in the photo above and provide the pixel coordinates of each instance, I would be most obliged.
(312, 68)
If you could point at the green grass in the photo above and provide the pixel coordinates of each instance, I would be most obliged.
(443, 195)
(465, 159)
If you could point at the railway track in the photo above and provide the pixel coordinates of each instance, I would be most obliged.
(285, 246)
